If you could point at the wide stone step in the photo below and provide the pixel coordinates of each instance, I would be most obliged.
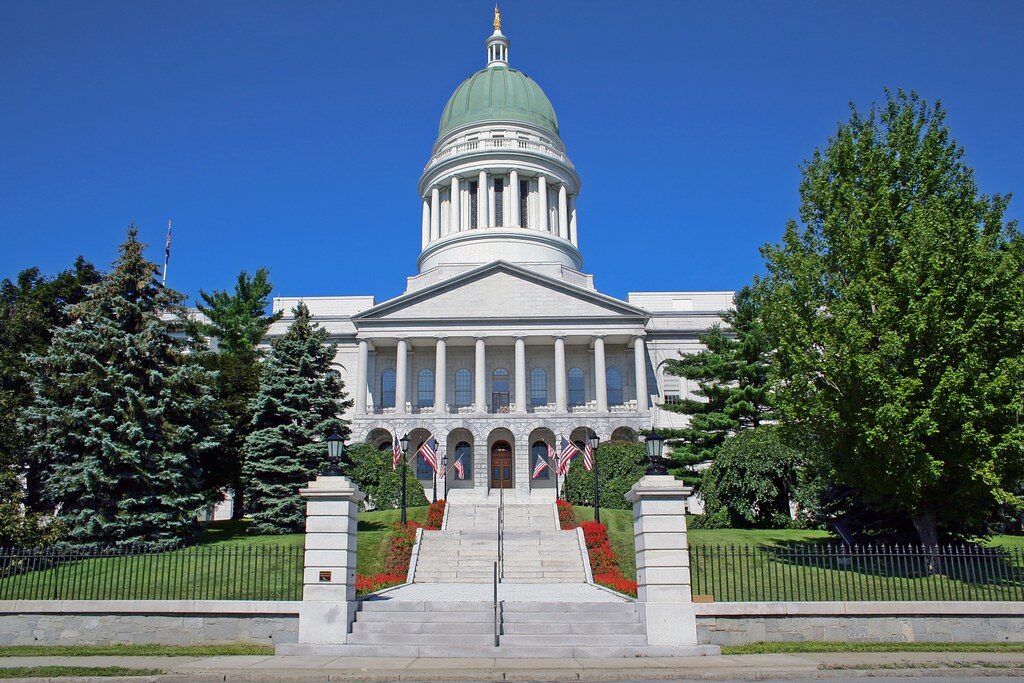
(431, 606)
(419, 627)
(574, 640)
(424, 639)
(558, 628)
(503, 652)
(546, 618)
(610, 608)
(426, 617)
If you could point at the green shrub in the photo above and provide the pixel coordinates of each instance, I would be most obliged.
(371, 471)
(620, 464)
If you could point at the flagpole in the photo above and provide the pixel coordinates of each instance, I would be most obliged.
(557, 458)
(167, 254)
(405, 464)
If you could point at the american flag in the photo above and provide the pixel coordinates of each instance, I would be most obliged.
(396, 453)
(569, 451)
(542, 463)
(429, 452)
(460, 470)
(588, 456)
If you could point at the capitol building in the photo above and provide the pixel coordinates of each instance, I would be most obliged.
(501, 344)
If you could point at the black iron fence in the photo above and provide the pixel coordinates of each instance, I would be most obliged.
(729, 573)
(270, 572)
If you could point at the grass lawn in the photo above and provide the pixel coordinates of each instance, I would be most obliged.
(832, 646)
(66, 671)
(225, 563)
(230, 649)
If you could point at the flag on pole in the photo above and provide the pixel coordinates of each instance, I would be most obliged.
(542, 464)
(460, 469)
(569, 451)
(396, 452)
(429, 452)
(588, 456)
(167, 254)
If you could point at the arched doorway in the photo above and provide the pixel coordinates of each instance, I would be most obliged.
(501, 465)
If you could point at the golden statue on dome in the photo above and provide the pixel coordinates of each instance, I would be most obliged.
(497, 18)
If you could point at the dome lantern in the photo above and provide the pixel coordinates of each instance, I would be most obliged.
(497, 44)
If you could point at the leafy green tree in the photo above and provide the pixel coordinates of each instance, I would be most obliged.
(620, 464)
(371, 471)
(31, 306)
(298, 404)
(732, 376)
(123, 412)
(238, 322)
(898, 312)
(751, 482)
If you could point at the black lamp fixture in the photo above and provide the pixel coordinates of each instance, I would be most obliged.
(444, 468)
(655, 447)
(335, 454)
(593, 441)
(404, 443)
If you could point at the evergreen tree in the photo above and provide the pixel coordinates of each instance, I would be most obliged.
(238, 322)
(732, 373)
(123, 412)
(298, 404)
(899, 311)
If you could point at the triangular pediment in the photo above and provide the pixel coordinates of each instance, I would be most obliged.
(501, 290)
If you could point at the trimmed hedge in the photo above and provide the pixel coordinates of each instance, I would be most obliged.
(371, 471)
(620, 464)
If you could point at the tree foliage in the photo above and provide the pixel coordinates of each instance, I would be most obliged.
(123, 413)
(298, 404)
(898, 305)
(620, 464)
(371, 471)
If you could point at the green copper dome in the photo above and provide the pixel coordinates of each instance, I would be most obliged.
(498, 93)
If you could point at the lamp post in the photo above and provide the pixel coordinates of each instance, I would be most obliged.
(335, 454)
(655, 446)
(404, 442)
(593, 441)
(444, 469)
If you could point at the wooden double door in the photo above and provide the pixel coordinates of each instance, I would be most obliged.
(501, 465)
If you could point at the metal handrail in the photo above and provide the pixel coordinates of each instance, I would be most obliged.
(501, 534)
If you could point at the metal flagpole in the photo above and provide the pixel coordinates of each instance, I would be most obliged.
(167, 254)
(405, 464)
(555, 468)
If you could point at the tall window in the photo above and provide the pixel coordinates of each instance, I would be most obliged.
(577, 392)
(425, 388)
(538, 451)
(464, 452)
(499, 391)
(387, 389)
(499, 202)
(538, 387)
(614, 384)
(474, 193)
(524, 205)
(463, 387)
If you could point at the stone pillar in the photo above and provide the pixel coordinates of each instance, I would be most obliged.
(480, 377)
(329, 570)
(513, 198)
(572, 222)
(481, 201)
(640, 367)
(435, 213)
(663, 560)
(426, 222)
(361, 375)
(600, 375)
(441, 377)
(492, 205)
(401, 375)
(542, 203)
(561, 398)
(563, 213)
(521, 375)
(456, 204)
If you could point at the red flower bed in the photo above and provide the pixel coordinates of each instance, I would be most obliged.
(617, 582)
(435, 515)
(403, 538)
(604, 563)
(376, 582)
(567, 518)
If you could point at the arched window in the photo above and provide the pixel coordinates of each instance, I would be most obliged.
(614, 384)
(463, 387)
(425, 388)
(577, 392)
(499, 391)
(464, 452)
(387, 389)
(538, 387)
(538, 451)
(423, 470)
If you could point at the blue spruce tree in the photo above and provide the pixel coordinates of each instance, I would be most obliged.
(299, 403)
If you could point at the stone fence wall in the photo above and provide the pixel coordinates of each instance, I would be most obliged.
(175, 622)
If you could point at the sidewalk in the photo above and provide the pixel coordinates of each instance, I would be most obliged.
(727, 667)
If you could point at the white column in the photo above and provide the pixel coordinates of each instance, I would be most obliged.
(435, 213)
(492, 210)
(456, 204)
(664, 597)
(520, 375)
(573, 237)
(441, 377)
(542, 203)
(481, 200)
(563, 213)
(426, 222)
(361, 375)
(329, 565)
(600, 378)
(640, 368)
(401, 375)
(480, 377)
(512, 198)
(561, 399)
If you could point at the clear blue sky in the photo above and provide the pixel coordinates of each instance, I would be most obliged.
(292, 134)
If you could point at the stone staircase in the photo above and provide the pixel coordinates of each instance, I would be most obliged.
(535, 550)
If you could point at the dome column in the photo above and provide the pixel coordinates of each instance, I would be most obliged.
(456, 206)
(426, 223)
(542, 203)
(513, 198)
(435, 213)
(563, 213)
(572, 222)
(482, 201)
